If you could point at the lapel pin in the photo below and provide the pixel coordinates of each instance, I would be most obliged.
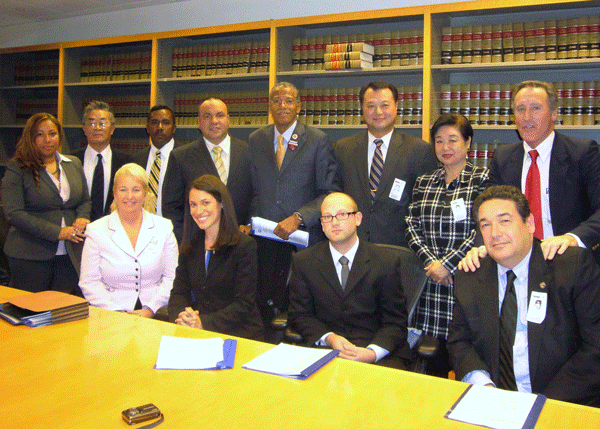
(542, 285)
(294, 136)
(292, 144)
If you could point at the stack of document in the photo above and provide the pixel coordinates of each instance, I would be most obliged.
(44, 308)
(291, 361)
(264, 228)
(194, 353)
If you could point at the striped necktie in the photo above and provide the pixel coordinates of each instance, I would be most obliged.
(153, 181)
(219, 163)
(376, 169)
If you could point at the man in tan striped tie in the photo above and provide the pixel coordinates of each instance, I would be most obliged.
(160, 128)
(216, 153)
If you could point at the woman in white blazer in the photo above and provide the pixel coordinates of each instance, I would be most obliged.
(129, 257)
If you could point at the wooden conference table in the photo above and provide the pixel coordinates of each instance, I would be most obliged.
(82, 374)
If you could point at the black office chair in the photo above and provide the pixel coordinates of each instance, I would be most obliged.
(413, 279)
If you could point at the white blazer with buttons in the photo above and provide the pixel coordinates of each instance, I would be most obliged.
(114, 274)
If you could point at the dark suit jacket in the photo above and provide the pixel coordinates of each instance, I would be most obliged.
(564, 350)
(193, 160)
(372, 308)
(226, 295)
(407, 158)
(119, 159)
(35, 213)
(305, 178)
(574, 185)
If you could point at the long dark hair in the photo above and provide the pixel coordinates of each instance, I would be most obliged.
(27, 153)
(228, 234)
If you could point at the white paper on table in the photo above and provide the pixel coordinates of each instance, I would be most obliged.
(189, 353)
(493, 408)
(264, 228)
(286, 360)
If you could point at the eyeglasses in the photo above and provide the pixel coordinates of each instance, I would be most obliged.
(101, 124)
(339, 216)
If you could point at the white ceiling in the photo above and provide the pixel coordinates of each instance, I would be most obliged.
(18, 12)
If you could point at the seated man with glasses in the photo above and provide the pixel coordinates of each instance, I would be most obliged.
(346, 294)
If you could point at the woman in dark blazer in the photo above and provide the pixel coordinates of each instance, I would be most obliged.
(215, 282)
(46, 202)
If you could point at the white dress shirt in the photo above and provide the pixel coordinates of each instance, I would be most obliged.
(521, 345)
(90, 159)
(372, 146)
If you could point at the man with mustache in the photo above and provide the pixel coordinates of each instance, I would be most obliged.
(293, 168)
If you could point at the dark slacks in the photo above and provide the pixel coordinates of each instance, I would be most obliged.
(57, 274)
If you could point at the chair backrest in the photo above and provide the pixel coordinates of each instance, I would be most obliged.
(412, 275)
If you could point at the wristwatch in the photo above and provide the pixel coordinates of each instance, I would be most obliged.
(299, 216)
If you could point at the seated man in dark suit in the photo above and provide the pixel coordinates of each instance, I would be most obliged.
(500, 335)
(346, 293)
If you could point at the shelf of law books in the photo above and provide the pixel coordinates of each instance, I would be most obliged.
(28, 84)
(231, 55)
(130, 103)
(477, 56)
(120, 63)
(373, 46)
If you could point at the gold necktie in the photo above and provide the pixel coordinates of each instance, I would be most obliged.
(280, 152)
(219, 164)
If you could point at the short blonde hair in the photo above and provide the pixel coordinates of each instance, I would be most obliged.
(139, 174)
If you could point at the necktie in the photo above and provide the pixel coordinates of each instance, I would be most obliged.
(219, 163)
(508, 328)
(376, 169)
(280, 153)
(153, 181)
(97, 193)
(345, 271)
(533, 195)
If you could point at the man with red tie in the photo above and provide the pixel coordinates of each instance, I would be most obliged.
(560, 175)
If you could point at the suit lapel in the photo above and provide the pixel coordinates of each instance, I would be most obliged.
(325, 267)
(361, 164)
(146, 234)
(515, 167)
(291, 152)
(234, 160)
(120, 238)
(488, 307)
(539, 273)
(559, 166)
(360, 267)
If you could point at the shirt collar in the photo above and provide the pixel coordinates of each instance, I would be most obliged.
(105, 153)
(350, 254)
(225, 145)
(166, 148)
(386, 139)
(544, 148)
(287, 134)
(61, 158)
(521, 270)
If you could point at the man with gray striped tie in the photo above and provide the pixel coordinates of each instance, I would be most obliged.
(378, 167)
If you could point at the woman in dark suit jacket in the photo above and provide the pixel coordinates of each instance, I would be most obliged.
(215, 282)
(46, 202)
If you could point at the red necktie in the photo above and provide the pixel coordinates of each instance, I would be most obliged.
(532, 192)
